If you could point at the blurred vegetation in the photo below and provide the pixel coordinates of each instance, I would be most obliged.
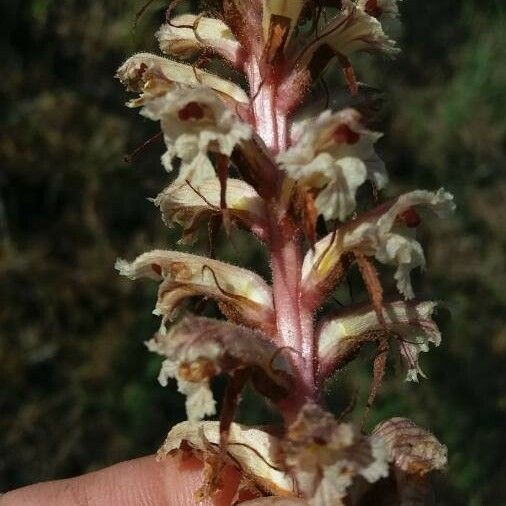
(78, 389)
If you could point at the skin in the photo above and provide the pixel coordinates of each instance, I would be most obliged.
(139, 482)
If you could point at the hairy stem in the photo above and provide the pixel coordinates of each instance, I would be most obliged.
(294, 323)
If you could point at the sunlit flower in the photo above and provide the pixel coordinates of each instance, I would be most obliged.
(195, 122)
(188, 205)
(152, 76)
(410, 324)
(242, 295)
(381, 233)
(334, 155)
(250, 449)
(244, 162)
(350, 31)
(188, 34)
(325, 456)
(197, 349)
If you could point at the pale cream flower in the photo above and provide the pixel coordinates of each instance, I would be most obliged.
(197, 349)
(251, 450)
(188, 205)
(412, 449)
(188, 34)
(325, 456)
(152, 76)
(377, 234)
(350, 31)
(411, 323)
(334, 155)
(194, 122)
(243, 296)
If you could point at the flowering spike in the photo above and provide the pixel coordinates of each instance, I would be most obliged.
(244, 160)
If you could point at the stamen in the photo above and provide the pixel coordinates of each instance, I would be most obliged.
(129, 158)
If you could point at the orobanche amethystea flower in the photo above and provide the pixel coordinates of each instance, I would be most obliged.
(251, 450)
(381, 233)
(341, 337)
(197, 349)
(351, 30)
(325, 457)
(242, 295)
(334, 155)
(153, 75)
(188, 34)
(189, 204)
(195, 122)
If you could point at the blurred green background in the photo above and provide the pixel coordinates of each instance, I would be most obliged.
(78, 390)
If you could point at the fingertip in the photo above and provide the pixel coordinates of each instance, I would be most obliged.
(139, 482)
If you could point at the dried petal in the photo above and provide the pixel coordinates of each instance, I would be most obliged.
(197, 349)
(194, 122)
(188, 34)
(414, 453)
(412, 449)
(188, 204)
(153, 75)
(242, 295)
(325, 456)
(373, 235)
(334, 154)
(251, 450)
(340, 338)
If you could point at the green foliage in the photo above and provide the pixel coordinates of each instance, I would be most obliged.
(79, 390)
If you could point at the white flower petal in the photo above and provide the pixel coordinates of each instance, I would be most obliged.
(334, 154)
(197, 349)
(325, 456)
(352, 30)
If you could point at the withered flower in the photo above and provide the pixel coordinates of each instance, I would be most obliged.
(242, 160)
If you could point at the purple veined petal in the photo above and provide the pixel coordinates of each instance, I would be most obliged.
(350, 31)
(334, 155)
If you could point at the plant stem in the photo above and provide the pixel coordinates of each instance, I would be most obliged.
(294, 323)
